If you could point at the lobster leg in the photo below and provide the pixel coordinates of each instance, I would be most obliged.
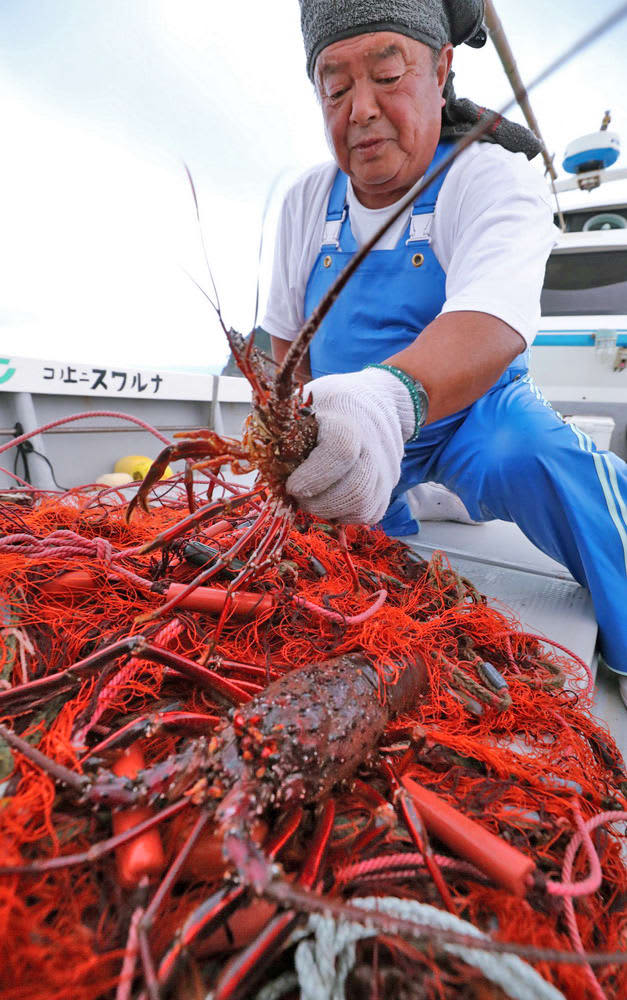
(218, 908)
(381, 821)
(206, 574)
(418, 833)
(148, 965)
(274, 537)
(79, 782)
(170, 878)
(420, 838)
(47, 687)
(71, 677)
(168, 881)
(202, 676)
(243, 972)
(189, 487)
(146, 921)
(125, 982)
(66, 680)
(376, 829)
(216, 480)
(149, 725)
(254, 671)
(209, 915)
(96, 850)
(204, 444)
(202, 514)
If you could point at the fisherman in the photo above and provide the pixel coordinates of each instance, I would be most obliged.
(420, 370)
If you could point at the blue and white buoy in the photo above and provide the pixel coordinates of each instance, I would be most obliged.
(596, 151)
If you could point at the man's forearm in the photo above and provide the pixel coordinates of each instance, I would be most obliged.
(279, 350)
(458, 358)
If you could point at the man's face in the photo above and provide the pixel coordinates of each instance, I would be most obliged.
(381, 97)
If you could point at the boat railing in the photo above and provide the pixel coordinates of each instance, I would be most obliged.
(118, 404)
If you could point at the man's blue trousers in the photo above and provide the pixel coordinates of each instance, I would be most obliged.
(511, 457)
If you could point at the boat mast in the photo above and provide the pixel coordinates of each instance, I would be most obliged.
(506, 55)
(504, 50)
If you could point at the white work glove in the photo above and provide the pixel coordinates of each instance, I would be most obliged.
(364, 419)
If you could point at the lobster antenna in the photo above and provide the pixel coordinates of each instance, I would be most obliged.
(204, 292)
(266, 209)
(303, 340)
(216, 304)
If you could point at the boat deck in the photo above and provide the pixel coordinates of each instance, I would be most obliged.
(505, 566)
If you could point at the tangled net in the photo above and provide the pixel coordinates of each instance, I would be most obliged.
(505, 736)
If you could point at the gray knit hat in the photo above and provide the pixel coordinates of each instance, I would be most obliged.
(434, 22)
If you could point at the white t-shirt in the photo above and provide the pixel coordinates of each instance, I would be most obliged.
(492, 233)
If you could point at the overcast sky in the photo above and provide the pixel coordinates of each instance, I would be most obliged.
(101, 101)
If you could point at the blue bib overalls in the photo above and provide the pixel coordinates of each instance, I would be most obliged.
(509, 456)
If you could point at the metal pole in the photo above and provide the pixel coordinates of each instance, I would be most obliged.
(41, 476)
(216, 423)
(593, 178)
(504, 49)
(506, 55)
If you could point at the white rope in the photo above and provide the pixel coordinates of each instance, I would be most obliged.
(277, 989)
(324, 961)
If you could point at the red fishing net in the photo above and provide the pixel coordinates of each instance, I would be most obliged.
(504, 735)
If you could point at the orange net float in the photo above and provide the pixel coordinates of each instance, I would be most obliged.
(206, 859)
(503, 863)
(78, 581)
(209, 600)
(143, 857)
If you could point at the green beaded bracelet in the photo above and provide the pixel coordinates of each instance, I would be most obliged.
(417, 392)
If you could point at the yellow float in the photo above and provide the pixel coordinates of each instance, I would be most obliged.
(137, 466)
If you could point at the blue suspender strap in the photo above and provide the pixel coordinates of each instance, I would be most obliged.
(336, 213)
(424, 206)
(422, 215)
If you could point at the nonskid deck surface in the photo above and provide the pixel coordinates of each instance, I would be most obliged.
(513, 573)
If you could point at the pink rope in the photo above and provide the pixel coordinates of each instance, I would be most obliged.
(84, 416)
(590, 884)
(335, 616)
(395, 861)
(127, 973)
(566, 887)
(68, 544)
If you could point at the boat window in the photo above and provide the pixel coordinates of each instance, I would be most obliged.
(585, 284)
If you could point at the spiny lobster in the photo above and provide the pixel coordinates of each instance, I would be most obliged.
(278, 435)
(283, 750)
